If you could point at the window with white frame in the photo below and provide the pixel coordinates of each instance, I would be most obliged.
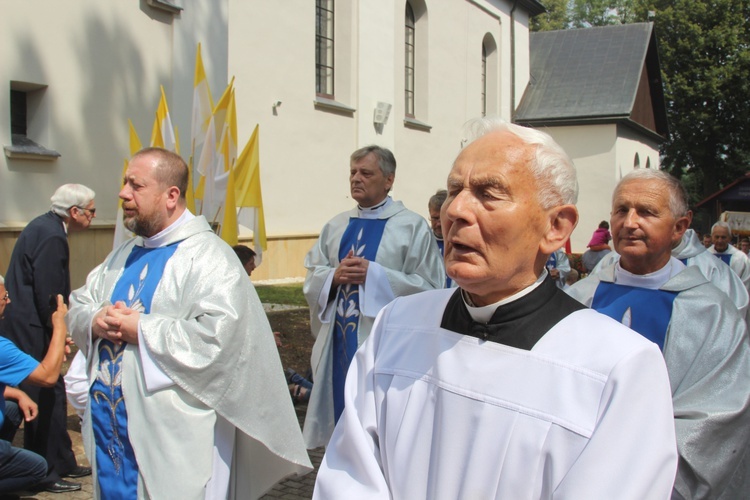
(409, 60)
(324, 61)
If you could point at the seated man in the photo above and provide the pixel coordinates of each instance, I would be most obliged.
(702, 334)
(505, 387)
(20, 469)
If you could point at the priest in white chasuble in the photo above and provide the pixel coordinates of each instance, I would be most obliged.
(187, 395)
(504, 387)
(701, 332)
(363, 259)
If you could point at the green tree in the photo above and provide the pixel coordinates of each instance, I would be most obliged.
(587, 13)
(563, 14)
(556, 18)
(705, 59)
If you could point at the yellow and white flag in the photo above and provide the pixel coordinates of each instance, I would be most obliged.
(248, 193)
(203, 104)
(229, 231)
(162, 134)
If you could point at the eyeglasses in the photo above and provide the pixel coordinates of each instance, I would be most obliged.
(92, 210)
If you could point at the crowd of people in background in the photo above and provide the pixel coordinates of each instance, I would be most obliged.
(462, 356)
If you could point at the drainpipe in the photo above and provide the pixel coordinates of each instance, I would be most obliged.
(513, 61)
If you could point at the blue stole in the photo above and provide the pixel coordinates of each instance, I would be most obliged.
(552, 261)
(362, 236)
(646, 311)
(441, 246)
(726, 257)
(116, 467)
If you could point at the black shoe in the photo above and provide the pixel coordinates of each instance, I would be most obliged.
(79, 471)
(62, 486)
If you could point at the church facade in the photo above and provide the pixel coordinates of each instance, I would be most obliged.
(321, 79)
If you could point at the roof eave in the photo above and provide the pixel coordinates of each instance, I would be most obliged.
(591, 120)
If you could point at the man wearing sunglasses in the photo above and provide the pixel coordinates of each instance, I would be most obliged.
(37, 273)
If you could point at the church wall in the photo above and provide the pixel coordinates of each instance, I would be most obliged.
(305, 148)
(631, 143)
(103, 63)
(593, 151)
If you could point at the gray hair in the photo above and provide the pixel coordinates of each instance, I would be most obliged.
(386, 160)
(437, 199)
(722, 224)
(2, 280)
(552, 168)
(678, 197)
(71, 195)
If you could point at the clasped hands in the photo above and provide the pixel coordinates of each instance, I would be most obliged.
(117, 323)
(351, 271)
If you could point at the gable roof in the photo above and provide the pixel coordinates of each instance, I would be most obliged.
(738, 190)
(595, 75)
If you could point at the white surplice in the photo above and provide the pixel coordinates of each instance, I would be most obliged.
(434, 414)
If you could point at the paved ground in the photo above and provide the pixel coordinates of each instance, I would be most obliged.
(291, 489)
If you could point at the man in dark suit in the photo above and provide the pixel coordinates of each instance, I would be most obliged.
(37, 272)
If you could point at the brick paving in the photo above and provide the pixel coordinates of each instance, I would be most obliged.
(295, 488)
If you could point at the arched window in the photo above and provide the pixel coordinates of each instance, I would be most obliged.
(489, 93)
(324, 47)
(648, 162)
(637, 161)
(484, 80)
(409, 59)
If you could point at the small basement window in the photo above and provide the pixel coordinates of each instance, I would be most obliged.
(28, 123)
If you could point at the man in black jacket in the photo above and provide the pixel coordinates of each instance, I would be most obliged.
(37, 272)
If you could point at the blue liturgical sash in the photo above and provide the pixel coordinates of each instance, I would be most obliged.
(552, 261)
(116, 467)
(362, 236)
(441, 246)
(646, 311)
(726, 257)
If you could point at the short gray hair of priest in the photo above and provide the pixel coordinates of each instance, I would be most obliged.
(386, 160)
(678, 197)
(437, 199)
(551, 167)
(722, 224)
(70, 195)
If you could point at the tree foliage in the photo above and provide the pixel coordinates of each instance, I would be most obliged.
(705, 58)
(704, 49)
(556, 17)
(587, 13)
(563, 14)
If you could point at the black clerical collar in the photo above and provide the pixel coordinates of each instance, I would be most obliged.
(370, 209)
(518, 324)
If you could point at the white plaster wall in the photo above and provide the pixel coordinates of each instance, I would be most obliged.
(593, 151)
(103, 63)
(455, 50)
(305, 150)
(630, 143)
